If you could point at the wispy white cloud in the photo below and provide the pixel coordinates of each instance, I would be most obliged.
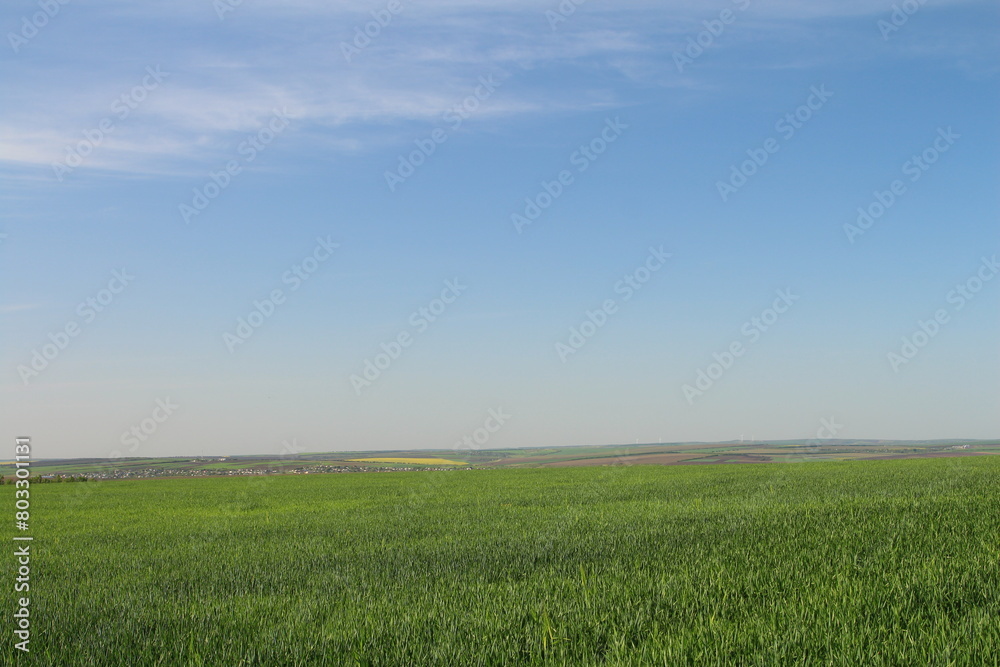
(271, 54)
(313, 8)
(207, 100)
(18, 307)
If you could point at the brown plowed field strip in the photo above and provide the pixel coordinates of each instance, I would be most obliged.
(639, 459)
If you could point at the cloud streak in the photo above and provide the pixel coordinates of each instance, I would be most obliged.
(228, 77)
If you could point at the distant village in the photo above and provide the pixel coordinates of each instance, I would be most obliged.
(147, 473)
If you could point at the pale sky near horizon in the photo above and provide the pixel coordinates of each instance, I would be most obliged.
(585, 221)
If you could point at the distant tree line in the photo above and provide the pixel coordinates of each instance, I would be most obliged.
(39, 479)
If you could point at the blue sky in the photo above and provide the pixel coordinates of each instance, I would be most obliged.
(118, 114)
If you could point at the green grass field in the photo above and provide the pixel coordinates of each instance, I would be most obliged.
(841, 563)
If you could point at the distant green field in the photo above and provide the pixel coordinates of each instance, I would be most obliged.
(840, 563)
